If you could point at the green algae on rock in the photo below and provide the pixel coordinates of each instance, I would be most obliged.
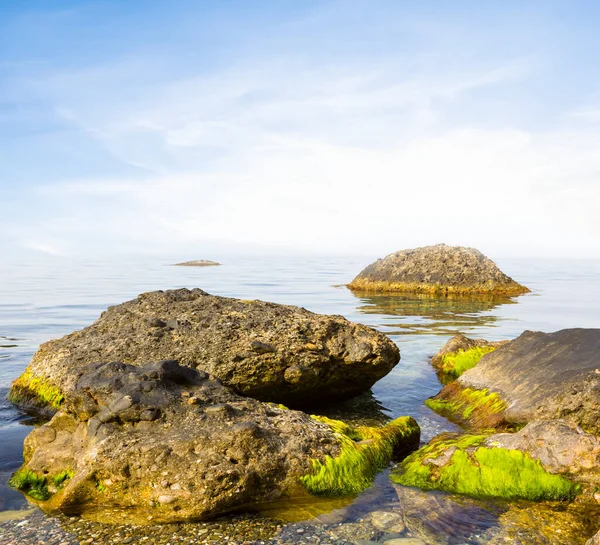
(466, 465)
(477, 409)
(439, 270)
(460, 354)
(32, 389)
(456, 363)
(267, 351)
(364, 452)
(31, 484)
(537, 375)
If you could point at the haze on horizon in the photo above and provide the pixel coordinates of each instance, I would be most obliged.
(335, 127)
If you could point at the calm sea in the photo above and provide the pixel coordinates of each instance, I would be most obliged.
(45, 300)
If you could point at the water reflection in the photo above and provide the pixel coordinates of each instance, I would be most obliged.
(418, 314)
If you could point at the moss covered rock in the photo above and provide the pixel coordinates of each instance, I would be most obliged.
(438, 270)
(172, 443)
(263, 350)
(474, 466)
(460, 354)
(538, 375)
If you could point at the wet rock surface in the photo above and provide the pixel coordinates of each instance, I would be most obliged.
(439, 269)
(165, 443)
(439, 518)
(540, 376)
(263, 350)
(162, 443)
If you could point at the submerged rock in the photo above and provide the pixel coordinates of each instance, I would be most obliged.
(460, 354)
(162, 443)
(436, 269)
(536, 376)
(271, 352)
(440, 518)
(197, 263)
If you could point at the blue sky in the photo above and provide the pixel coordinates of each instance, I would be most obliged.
(328, 126)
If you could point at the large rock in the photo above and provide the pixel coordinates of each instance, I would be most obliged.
(537, 375)
(162, 443)
(271, 352)
(436, 269)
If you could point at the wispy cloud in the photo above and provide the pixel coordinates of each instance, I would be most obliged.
(426, 140)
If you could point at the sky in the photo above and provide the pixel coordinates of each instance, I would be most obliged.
(193, 128)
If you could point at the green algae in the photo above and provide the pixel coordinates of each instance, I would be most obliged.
(455, 364)
(481, 408)
(364, 452)
(60, 479)
(28, 386)
(465, 466)
(30, 483)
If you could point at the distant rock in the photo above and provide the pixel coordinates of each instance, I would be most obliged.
(197, 263)
(437, 270)
(161, 443)
(536, 376)
(263, 350)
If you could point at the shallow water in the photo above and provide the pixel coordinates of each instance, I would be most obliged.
(44, 300)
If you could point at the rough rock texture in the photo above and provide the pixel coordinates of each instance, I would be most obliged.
(536, 376)
(560, 446)
(197, 263)
(460, 343)
(436, 269)
(162, 442)
(267, 351)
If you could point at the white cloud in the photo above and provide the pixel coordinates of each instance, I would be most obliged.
(360, 155)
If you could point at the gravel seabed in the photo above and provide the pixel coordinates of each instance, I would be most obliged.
(39, 529)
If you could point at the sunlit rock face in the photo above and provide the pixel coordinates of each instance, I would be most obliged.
(267, 351)
(439, 269)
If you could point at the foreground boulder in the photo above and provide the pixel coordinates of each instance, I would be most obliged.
(439, 270)
(267, 351)
(460, 354)
(532, 464)
(162, 443)
(537, 375)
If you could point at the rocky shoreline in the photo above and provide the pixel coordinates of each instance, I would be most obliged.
(174, 419)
